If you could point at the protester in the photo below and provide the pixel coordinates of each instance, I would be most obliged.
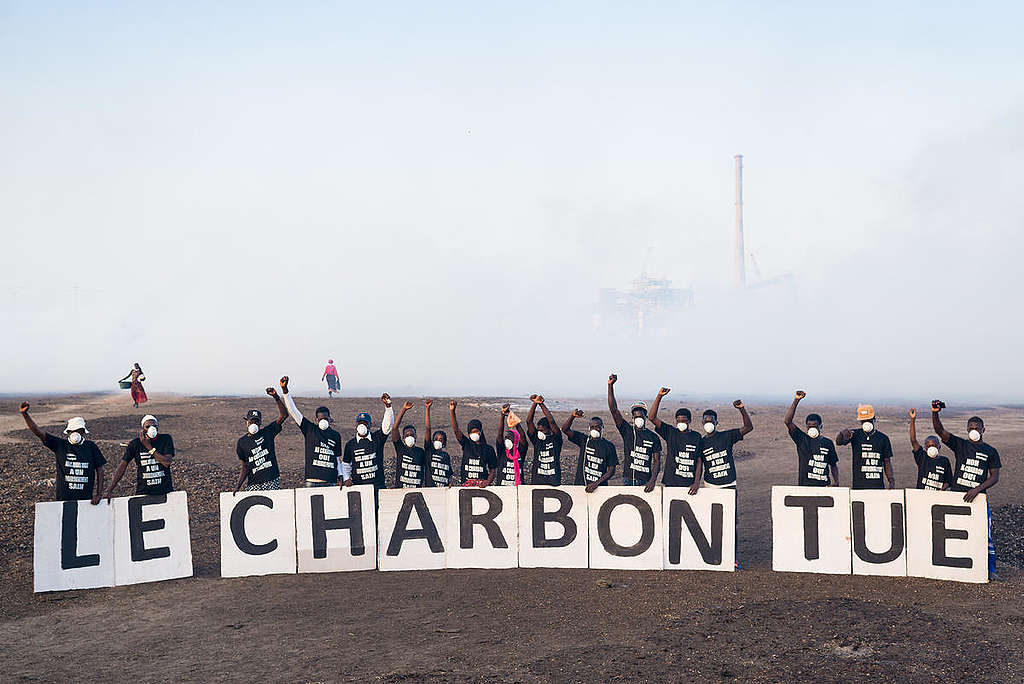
(976, 467)
(512, 452)
(256, 451)
(872, 452)
(332, 378)
(152, 451)
(362, 462)
(817, 460)
(479, 463)
(439, 473)
(641, 448)
(546, 439)
(598, 460)
(410, 460)
(683, 463)
(79, 461)
(322, 442)
(138, 392)
(933, 470)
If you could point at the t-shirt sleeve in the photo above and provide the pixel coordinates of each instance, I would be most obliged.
(274, 429)
(887, 449)
(463, 441)
(993, 460)
(97, 456)
(918, 455)
(524, 446)
(948, 476)
(491, 458)
(306, 426)
(798, 436)
(51, 442)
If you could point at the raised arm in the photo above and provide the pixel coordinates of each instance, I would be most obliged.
(656, 405)
(388, 420)
(23, 409)
(913, 430)
(788, 420)
(293, 410)
(282, 410)
(748, 427)
(395, 423)
(613, 408)
(937, 422)
(567, 426)
(455, 423)
(428, 438)
(535, 400)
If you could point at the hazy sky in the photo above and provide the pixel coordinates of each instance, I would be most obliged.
(433, 194)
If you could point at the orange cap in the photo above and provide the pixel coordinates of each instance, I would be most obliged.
(865, 412)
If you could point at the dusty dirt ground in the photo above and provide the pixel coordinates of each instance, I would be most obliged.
(510, 625)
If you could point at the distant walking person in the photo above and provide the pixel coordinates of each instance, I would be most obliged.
(79, 461)
(138, 392)
(332, 378)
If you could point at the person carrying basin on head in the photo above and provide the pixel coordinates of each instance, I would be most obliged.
(872, 452)
(641, 448)
(546, 438)
(362, 462)
(683, 463)
(410, 460)
(255, 449)
(79, 461)
(933, 469)
(152, 451)
(598, 460)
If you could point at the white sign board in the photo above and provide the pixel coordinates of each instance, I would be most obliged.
(483, 527)
(74, 546)
(257, 533)
(811, 530)
(411, 529)
(626, 528)
(151, 538)
(879, 538)
(553, 527)
(335, 529)
(700, 530)
(947, 538)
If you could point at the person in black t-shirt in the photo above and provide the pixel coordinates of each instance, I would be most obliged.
(479, 462)
(547, 445)
(256, 449)
(817, 460)
(683, 462)
(410, 460)
(872, 452)
(79, 461)
(641, 448)
(597, 461)
(363, 459)
(439, 473)
(152, 452)
(511, 453)
(933, 469)
(716, 447)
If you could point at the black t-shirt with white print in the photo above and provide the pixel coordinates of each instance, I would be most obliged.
(682, 449)
(258, 455)
(478, 459)
(410, 465)
(932, 473)
(439, 470)
(814, 456)
(870, 451)
(366, 455)
(151, 476)
(507, 467)
(546, 468)
(973, 461)
(323, 449)
(597, 457)
(76, 467)
(638, 448)
(716, 450)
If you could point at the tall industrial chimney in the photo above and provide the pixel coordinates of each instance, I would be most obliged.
(741, 271)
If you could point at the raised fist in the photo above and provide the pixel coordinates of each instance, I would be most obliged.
(938, 405)
(284, 383)
(23, 408)
(505, 408)
(800, 394)
(385, 399)
(913, 414)
(612, 378)
(539, 399)
(452, 404)
(738, 403)
(663, 391)
(428, 402)
(578, 413)
(406, 406)
(271, 391)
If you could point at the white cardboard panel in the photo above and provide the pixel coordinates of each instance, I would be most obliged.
(713, 511)
(257, 533)
(426, 515)
(626, 528)
(497, 512)
(828, 544)
(89, 546)
(555, 540)
(168, 540)
(345, 542)
(931, 555)
(884, 535)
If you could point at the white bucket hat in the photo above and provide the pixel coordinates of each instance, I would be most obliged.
(76, 423)
(146, 418)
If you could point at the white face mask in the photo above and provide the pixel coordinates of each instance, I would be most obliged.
(362, 430)
(409, 440)
(682, 427)
(152, 432)
(509, 444)
(594, 434)
(974, 436)
(709, 427)
(541, 435)
(438, 445)
(76, 438)
(253, 428)
(867, 426)
(813, 432)
(323, 424)
(639, 422)
(475, 436)
(933, 451)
